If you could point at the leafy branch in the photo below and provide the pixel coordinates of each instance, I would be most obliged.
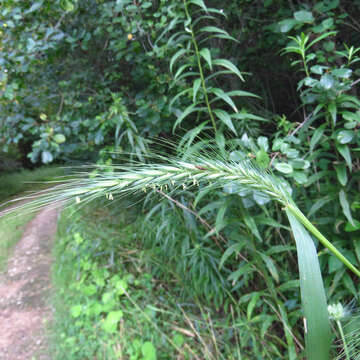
(196, 62)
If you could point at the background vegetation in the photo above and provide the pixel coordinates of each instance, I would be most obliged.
(275, 82)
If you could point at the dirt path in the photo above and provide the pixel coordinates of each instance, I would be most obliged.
(25, 289)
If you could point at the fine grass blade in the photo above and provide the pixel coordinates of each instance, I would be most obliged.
(316, 319)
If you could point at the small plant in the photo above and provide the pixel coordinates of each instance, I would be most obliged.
(198, 67)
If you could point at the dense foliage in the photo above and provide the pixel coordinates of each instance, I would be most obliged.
(271, 81)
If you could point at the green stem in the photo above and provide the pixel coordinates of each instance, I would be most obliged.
(346, 350)
(203, 85)
(305, 65)
(304, 220)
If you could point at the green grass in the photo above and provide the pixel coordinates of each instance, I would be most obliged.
(109, 305)
(14, 183)
(11, 230)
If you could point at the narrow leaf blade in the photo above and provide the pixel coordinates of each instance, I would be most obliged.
(317, 328)
(205, 53)
(228, 65)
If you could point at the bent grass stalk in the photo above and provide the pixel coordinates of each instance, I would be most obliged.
(176, 175)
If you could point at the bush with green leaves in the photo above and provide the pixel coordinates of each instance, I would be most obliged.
(61, 85)
(305, 130)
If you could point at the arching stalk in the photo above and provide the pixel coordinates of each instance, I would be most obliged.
(178, 174)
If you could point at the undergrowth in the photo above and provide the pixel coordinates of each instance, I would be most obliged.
(109, 303)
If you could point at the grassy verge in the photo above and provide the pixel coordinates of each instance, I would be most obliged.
(15, 183)
(11, 230)
(108, 304)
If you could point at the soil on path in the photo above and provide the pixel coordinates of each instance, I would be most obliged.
(24, 291)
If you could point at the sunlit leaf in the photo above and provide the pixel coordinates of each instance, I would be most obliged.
(177, 56)
(304, 16)
(345, 206)
(196, 87)
(228, 65)
(199, 3)
(226, 119)
(316, 320)
(206, 54)
(221, 94)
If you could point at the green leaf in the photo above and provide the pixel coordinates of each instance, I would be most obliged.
(286, 25)
(190, 109)
(228, 65)
(111, 321)
(350, 116)
(342, 73)
(251, 224)
(334, 264)
(67, 5)
(242, 93)
(289, 285)
(284, 168)
(189, 137)
(329, 46)
(350, 228)
(349, 285)
(59, 138)
(300, 164)
(304, 16)
(317, 324)
(345, 136)
(321, 37)
(259, 197)
(220, 221)
(327, 24)
(177, 96)
(341, 174)
(148, 351)
(76, 311)
(269, 262)
(206, 54)
(146, 5)
(252, 304)
(333, 111)
(300, 177)
(318, 69)
(224, 96)
(225, 118)
(199, 3)
(202, 18)
(181, 70)
(46, 157)
(196, 87)
(262, 158)
(35, 6)
(177, 56)
(345, 153)
(327, 81)
(214, 29)
(243, 115)
(178, 340)
(233, 249)
(345, 206)
(263, 143)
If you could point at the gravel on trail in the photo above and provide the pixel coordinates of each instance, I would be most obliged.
(25, 288)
